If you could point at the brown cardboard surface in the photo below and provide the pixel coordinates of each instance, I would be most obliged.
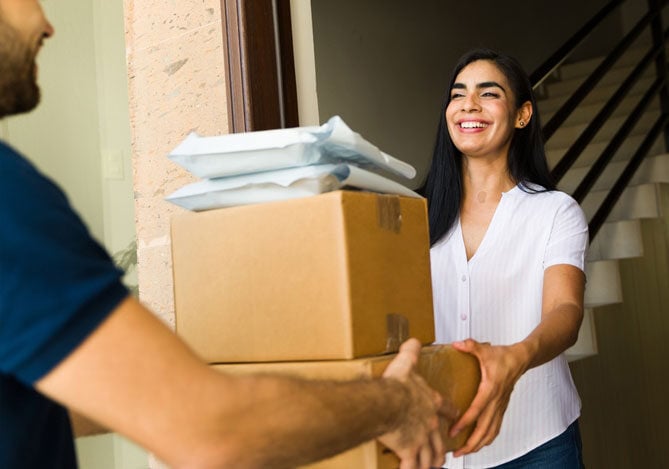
(454, 374)
(335, 276)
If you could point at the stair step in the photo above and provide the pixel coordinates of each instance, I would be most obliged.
(636, 202)
(603, 283)
(567, 87)
(598, 94)
(585, 67)
(652, 169)
(594, 150)
(586, 345)
(586, 113)
(617, 240)
(570, 71)
(566, 136)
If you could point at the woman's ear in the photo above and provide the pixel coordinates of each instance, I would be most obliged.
(524, 115)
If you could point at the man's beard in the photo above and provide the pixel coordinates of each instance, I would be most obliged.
(18, 89)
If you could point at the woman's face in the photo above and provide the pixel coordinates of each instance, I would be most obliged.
(481, 115)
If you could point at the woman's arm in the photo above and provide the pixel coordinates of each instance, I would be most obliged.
(135, 376)
(502, 366)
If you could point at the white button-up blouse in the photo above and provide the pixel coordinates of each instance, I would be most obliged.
(496, 297)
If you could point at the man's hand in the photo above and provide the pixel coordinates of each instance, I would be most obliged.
(417, 440)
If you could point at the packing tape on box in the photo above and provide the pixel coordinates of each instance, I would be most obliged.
(397, 331)
(389, 213)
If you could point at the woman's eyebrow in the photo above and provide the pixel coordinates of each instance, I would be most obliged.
(490, 84)
(485, 84)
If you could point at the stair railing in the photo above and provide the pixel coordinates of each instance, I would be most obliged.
(656, 54)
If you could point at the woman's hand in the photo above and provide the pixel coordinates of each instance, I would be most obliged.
(501, 367)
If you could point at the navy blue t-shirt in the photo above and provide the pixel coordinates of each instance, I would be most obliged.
(57, 284)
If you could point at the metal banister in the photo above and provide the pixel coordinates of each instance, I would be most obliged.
(602, 117)
(623, 181)
(657, 53)
(595, 77)
(607, 154)
(554, 61)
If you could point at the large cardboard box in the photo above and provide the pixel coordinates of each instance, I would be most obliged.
(335, 276)
(454, 374)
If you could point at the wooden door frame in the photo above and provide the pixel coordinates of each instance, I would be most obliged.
(260, 68)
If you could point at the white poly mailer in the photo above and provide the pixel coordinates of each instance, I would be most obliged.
(281, 185)
(268, 150)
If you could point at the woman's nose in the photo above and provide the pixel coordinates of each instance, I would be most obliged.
(470, 103)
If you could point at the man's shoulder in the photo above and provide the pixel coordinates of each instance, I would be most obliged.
(23, 188)
(11, 161)
(7, 149)
(16, 170)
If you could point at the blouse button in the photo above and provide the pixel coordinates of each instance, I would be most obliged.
(464, 278)
(463, 317)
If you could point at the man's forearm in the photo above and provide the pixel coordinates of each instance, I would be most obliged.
(82, 426)
(134, 376)
(286, 422)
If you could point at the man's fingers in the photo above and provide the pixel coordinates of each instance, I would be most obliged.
(425, 457)
(405, 360)
(438, 456)
(412, 343)
(410, 349)
(408, 462)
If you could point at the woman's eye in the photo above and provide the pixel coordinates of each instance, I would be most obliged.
(490, 94)
(456, 95)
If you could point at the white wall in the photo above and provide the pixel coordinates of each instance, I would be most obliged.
(305, 65)
(114, 124)
(110, 452)
(83, 116)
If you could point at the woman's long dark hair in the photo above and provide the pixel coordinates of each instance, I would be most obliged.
(527, 158)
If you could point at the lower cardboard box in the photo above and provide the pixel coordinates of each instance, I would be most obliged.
(454, 374)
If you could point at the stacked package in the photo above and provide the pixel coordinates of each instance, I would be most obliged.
(281, 164)
(276, 269)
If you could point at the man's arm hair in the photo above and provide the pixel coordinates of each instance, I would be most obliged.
(135, 376)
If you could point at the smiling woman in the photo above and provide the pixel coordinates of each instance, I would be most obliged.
(507, 256)
(481, 116)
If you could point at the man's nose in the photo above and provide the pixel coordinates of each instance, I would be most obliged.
(48, 29)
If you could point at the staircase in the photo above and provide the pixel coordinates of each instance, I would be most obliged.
(620, 236)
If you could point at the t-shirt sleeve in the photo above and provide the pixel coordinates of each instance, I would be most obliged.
(57, 284)
(568, 241)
